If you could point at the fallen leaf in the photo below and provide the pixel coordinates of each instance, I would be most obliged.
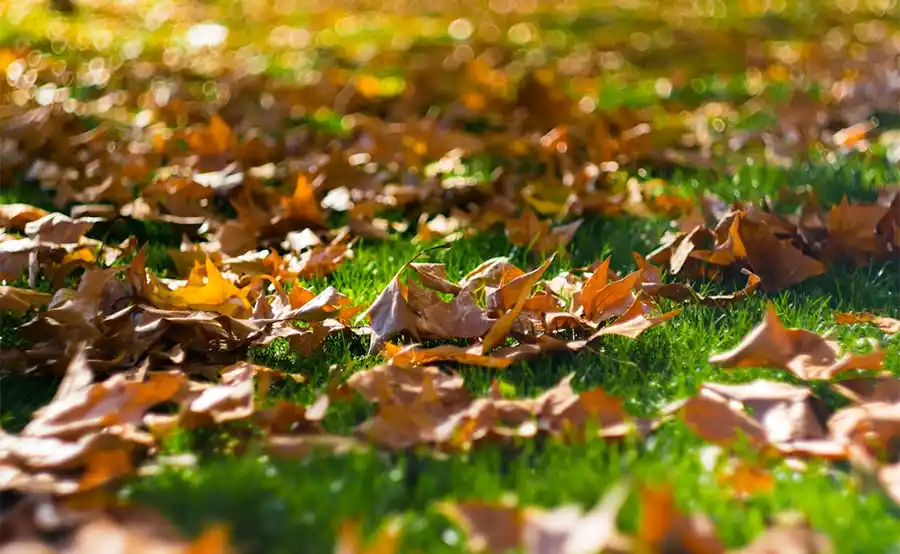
(59, 228)
(663, 528)
(633, 322)
(601, 300)
(789, 539)
(777, 262)
(16, 216)
(804, 353)
(390, 314)
(116, 402)
(881, 388)
(434, 276)
(489, 527)
(206, 289)
(522, 285)
(404, 384)
(302, 204)
(501, 528)
(18, 301)
(461, 317)
(415, 355)
(851, 231)
(745, 478)
(527, 230)
(566, 530)
(768, 414)
(888, 325)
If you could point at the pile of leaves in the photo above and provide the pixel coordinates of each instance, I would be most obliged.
(261, 201)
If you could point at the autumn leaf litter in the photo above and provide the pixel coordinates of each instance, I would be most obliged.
(269, 213)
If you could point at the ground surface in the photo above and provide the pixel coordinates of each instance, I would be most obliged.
(298, 503)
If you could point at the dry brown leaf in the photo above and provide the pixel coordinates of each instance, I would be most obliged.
(58, 228)
(403, 385)
(779, 415)
(298, 241)
(872, 433)
(500, 528)
(390, 314)
(114, 403)
(522, 285)
(804, 353)
(427, 408)
(489, 527)
(290, 418)
(560, 409)
(717, 422)
(461, 317)
(206, 289)
(16, 216)
(230, 400)
(527, 230)
(608, 300)
(881, 388)
(55, 466)
(416, 355)
(793, 538)
(662, 528)
(653, 286)
(777, 262)
(888, 325)
(745, 478)
(130, 529)
(18, 301)
(424, 421)
(851, 231)
(434, 276)
(319, 261)
(77, 311)
(634, 321)
(557, 238)
(567, 530)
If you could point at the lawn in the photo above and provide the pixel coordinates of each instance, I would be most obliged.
(738, 102)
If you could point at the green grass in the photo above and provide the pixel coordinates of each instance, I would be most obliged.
(274, 504)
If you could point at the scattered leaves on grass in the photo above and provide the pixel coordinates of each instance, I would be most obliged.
(271, 175)
(768, 414)
(888, 325)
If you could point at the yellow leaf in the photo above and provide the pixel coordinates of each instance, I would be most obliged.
(221, 133)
